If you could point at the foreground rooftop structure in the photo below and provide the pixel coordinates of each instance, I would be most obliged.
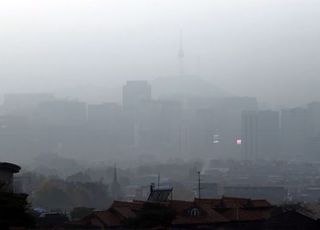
(7, 170)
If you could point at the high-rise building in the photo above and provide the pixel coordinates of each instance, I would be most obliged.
(313, 130)
(293, 132)
(268, 134)
(249, 135)
(103, 115)
(135, 93)
(313, 118)
(260, 134)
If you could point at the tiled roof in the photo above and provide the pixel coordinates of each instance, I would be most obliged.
(234, 202)
(123, 212)
(106, 218)
(239, 214)
(134, 204)
(310, 210)
(261, 204)
(239, 209)
(207, 215)
(208, 211)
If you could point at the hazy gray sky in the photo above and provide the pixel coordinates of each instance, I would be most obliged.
(267, 48)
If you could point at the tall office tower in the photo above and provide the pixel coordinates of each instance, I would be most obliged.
(313, 119)
(313, 130)
(103, 115)
(134, 93)
(159, 128)
(249, 134)
(268, 134)
(260, 135)
(293, 132)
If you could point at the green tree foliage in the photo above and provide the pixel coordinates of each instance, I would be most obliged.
(63, 195)
(53, 198)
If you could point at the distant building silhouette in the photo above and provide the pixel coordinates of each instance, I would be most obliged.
(293, 132)
(115, 188)
(134, 93)
(249, 135)
(61, 113)
(23, 103)
(268, 134)
(260, 135)
(103, 115)
(313, 130)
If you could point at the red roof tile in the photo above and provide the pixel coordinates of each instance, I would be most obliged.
(104, 218)
(261, 204)
(207, 215)
(245, 215)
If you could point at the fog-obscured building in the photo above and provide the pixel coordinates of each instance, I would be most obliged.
(249, 136)
(293, 132)
(260, 135)
(134, 93)
(268, 134)
(104, 115)
(271, 193)
(61, 113)
(23, 103)
(158, 127)
(313, 130)
(208, 190)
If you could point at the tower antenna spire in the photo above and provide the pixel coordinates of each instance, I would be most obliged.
(181, 54)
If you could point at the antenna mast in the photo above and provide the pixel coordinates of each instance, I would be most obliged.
(181, 54)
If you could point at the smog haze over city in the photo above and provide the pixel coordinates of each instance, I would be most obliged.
(85, 49)
(110, 102)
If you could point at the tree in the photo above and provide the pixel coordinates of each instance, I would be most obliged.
(52, 198)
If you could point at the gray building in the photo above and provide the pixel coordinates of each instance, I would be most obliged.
(249, 135)
(104, 115)
(274, 194)
(268, 134)
(19, 102)
(293, 132)
(260, 135)
(134, 93)
(61, 113)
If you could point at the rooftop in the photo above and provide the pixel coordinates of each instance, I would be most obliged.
(13, 168)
